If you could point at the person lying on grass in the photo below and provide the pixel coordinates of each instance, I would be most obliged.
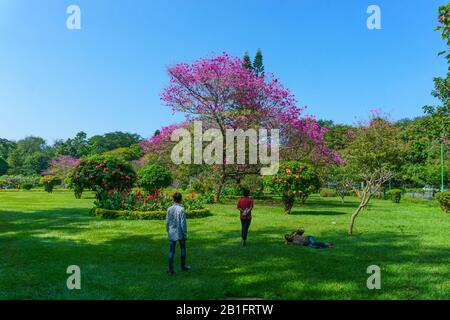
(298, 238)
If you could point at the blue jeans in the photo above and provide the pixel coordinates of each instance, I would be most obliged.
(312, 243)
(172, 247)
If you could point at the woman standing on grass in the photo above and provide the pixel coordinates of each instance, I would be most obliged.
(245, 206)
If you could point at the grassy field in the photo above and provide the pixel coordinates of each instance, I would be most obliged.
(42, 234)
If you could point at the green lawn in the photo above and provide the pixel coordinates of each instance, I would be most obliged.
(42, 234)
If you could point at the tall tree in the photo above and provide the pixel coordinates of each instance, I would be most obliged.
(6, 146)
(31, 156)
(440, 115)
(3, 166)
(113, 140)
(247, 62)
(258, 64)
(373, 157)
(224, 94)
(76, 147)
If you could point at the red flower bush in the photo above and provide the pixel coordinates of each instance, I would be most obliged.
(104, 175)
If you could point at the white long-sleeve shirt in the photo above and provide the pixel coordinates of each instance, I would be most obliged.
(176, 223)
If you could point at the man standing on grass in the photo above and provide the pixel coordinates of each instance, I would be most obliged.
(177, 232)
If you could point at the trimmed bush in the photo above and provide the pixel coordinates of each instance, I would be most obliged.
(153, 177)
(145, 215)
(395, 195)
(327, 193)
(26, 186)
(443, 199)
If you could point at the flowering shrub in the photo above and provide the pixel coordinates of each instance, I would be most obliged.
(153, 177)
(104, 175)
(49, 182)
(293, 180)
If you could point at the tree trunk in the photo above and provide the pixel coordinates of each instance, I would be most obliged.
(219, 187)
(364, 200)
(288, 202)
(353, 218)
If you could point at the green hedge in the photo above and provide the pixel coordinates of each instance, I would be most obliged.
(145, 215)
(443, 199)
(254, 197)
(327, 193)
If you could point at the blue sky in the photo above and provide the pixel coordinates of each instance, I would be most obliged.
(107, 76)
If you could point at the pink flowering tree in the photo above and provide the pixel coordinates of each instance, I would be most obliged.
(224, 94)
(62, 166)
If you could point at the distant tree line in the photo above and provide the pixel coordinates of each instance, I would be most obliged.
(32, 155)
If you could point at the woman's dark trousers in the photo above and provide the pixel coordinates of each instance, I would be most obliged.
(245, 226)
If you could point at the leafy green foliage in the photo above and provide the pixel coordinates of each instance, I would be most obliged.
(247, 62)
(203, 186)
(444, 27)
(134, 152)
(6, 146)
(111, 141)
(30, 156)
(76, 147)
(395, 195)
(252, 183)
(258, 65)
(444, 200)
(339, 137)
(375, 146)
(26, 186)
(154, 177)
(3, 166)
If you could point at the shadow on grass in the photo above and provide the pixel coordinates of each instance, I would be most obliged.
(317, 212)
(130, 265)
